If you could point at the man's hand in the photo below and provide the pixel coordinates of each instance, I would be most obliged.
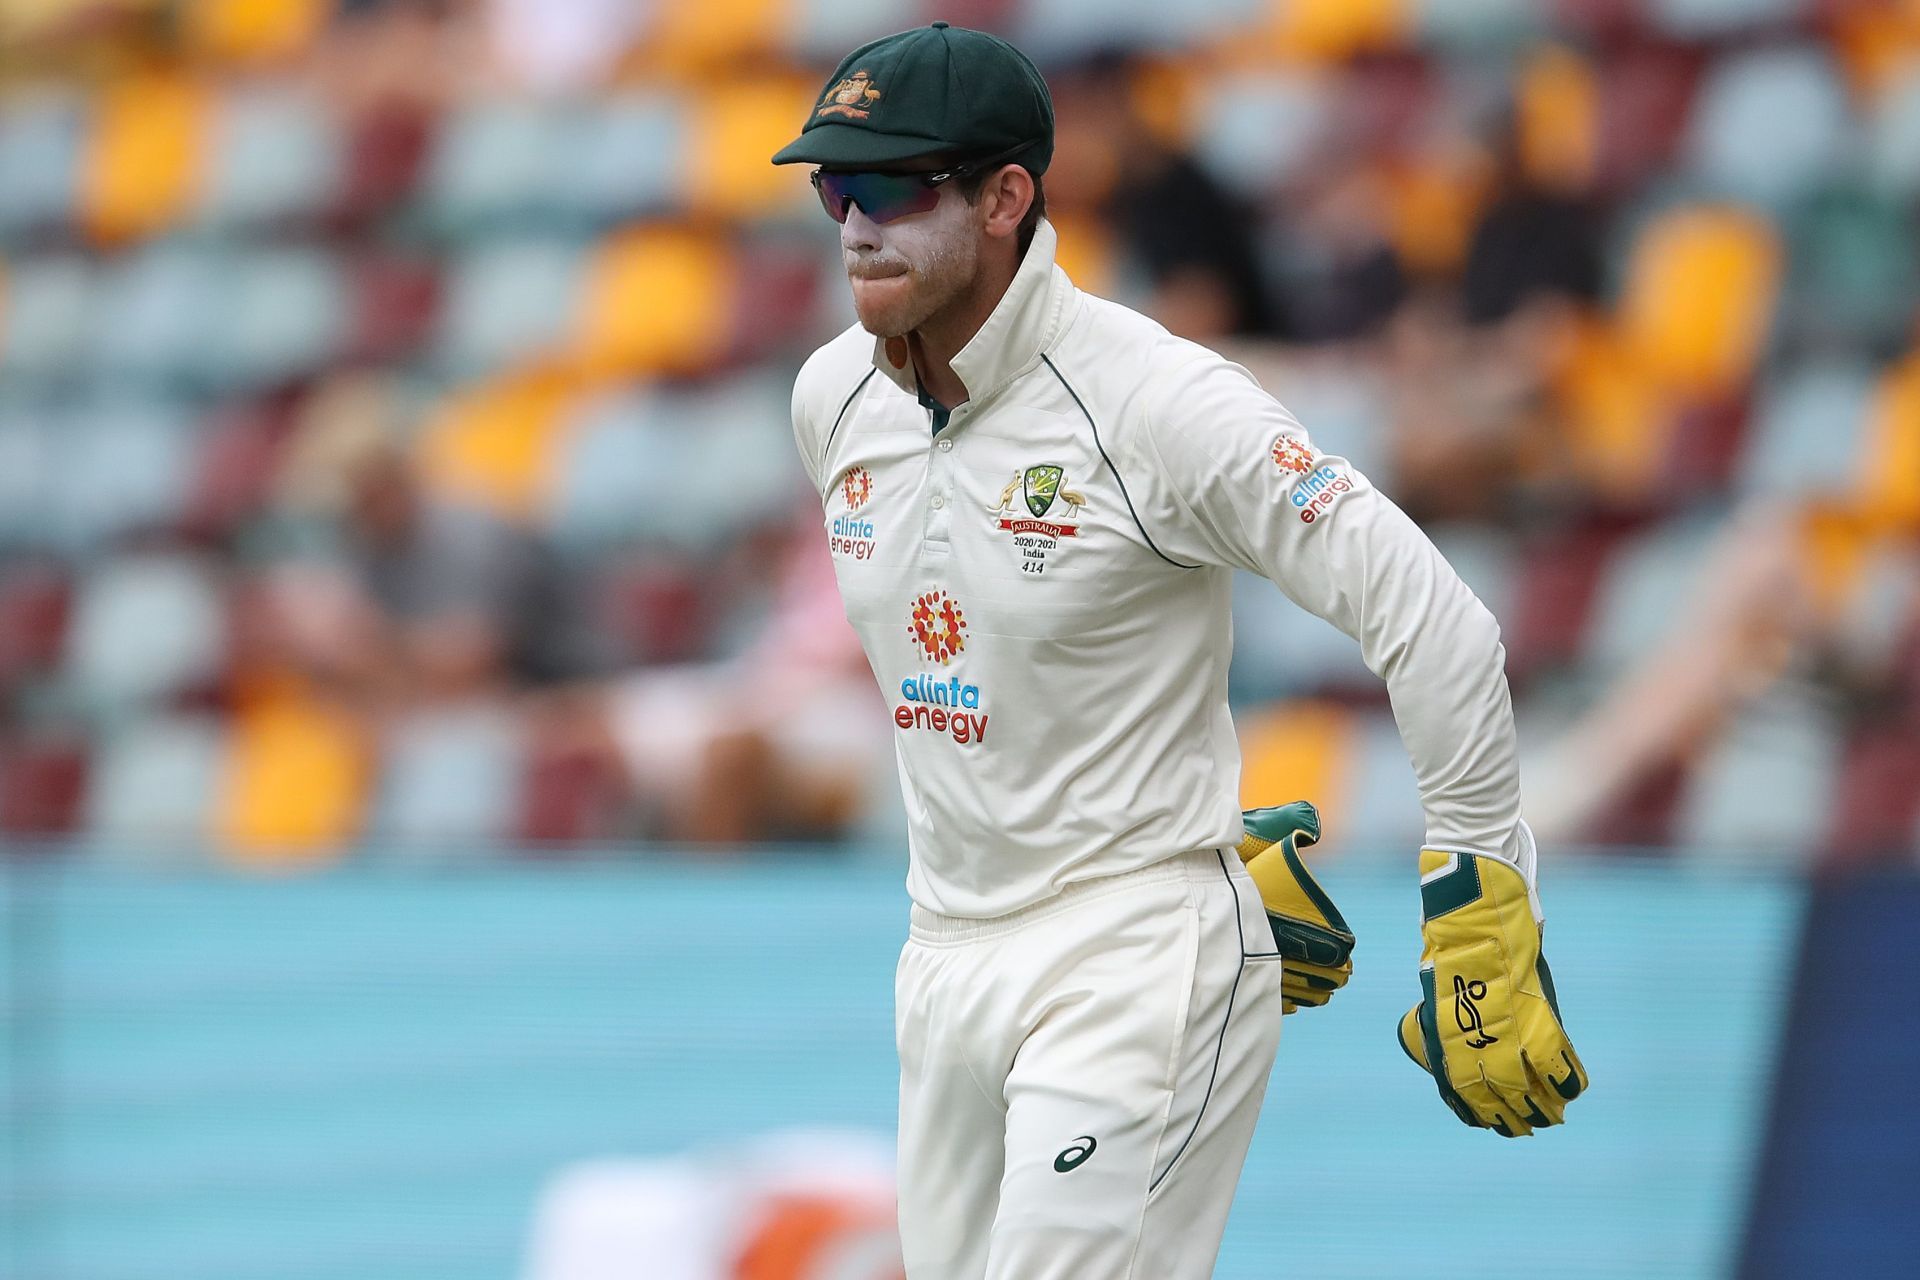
(1311, 934)
(1487, 1027)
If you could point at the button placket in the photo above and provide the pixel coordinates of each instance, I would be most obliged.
(940, 493)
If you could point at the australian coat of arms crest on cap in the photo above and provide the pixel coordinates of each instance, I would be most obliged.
(850, 98)
(1039, 489)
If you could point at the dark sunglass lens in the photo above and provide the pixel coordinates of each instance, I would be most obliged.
(881, 196)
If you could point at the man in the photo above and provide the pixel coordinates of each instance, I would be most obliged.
(1034, 498)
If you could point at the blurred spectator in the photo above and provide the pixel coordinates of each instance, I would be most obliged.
(391, 440)
(1173, 221)
(786, 740)
(563, 46)
(1539, 238)
(411, 597)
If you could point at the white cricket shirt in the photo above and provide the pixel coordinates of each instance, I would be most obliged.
(1042, 591)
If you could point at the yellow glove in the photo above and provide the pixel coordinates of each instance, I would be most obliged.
(1313, 939)
(1487, 1027)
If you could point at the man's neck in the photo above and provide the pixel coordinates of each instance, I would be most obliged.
(934, 344)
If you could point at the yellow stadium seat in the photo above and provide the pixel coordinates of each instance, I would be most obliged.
(1558, 119)
(1086, 251)
(1699, 298)
(493, 445)
(1890, 465)
(1326, 30)
(657, 299)
(701, 41)
(145, 158)
(1166, 93)
(1297, 751)
(1432, 205)
(1833, 549)
(734, 130)
(295, 784)
(1876, 43)
(1617, 419)
(252, 30)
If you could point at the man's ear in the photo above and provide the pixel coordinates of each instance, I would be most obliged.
(1005, 199)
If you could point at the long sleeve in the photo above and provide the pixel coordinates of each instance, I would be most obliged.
(1228, 477)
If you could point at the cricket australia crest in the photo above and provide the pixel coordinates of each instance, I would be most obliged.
(1040, 489)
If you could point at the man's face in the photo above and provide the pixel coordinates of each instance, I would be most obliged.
(904, 272)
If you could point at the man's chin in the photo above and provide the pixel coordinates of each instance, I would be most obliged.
(884, 307)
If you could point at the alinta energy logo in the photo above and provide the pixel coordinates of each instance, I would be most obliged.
(1316, 492)
(852, 535)
(1292, 455)
(938, 626)
(938, 703)
(856, 487)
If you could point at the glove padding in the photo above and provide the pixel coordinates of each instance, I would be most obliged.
(1312, 936)
(1488, 1014)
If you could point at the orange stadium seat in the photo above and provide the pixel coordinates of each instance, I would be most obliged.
(732, 131)
(1328, 30)
(1298, 751)
(1557, 118)
(1890, 463)
(147, 156)
(293, 784)
(1087, 251)
(1877, 43)
(252, 31)
(657, 299)
(701, 44)
(1699, 298)
(494, 443)
(1616, 416)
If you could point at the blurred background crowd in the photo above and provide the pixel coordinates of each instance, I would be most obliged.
(394, 444)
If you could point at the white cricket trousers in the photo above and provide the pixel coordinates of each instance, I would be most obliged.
(1079, 1080)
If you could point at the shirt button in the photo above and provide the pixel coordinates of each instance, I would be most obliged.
(938, 502)
(946, 445)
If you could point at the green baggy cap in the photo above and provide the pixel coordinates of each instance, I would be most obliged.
(934, 88)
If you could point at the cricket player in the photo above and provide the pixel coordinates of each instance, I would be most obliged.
(1034, 499)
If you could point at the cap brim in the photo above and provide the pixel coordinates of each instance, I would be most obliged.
(849, 144)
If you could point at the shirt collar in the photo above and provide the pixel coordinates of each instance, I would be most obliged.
(1024, 323)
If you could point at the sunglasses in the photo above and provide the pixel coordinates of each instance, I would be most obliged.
(886, 196)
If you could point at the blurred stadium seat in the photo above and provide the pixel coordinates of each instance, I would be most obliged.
(276, 161)
(41, 136)
(145, 626)
(282, 282)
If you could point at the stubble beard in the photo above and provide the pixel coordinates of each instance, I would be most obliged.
(940, 271)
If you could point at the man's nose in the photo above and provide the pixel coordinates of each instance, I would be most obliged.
(859, 232)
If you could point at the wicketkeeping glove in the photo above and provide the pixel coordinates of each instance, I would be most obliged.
(1313, 939)
(1487, 1027)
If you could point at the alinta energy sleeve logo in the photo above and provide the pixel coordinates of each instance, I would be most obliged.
(852, 536)
(936, 702)
(1318, 486)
